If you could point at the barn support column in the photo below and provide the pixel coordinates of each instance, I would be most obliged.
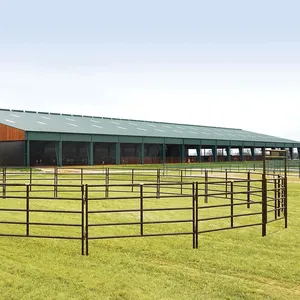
(182, 153)
(142, 153)
(214, 151)
(198, 153)
(241, 151)
(291, 153)
(58, 146)
(252, 153)
(228, 151)
(91, 154)
(27, 157)
(118, 154)
(298, 149)
(163, 153)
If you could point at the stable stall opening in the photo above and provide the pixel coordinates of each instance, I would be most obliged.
(104, 153)
(173, 154)
(152, 154)
(75, 153)
(130, 153)
(190, 154)
(43, 153)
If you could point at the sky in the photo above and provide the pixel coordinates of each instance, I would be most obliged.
(215, 63)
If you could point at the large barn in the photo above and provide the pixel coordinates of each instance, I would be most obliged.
(29, 138)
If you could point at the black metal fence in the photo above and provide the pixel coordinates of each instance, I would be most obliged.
(133, 204)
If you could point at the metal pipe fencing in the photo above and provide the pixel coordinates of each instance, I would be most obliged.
(175, 206)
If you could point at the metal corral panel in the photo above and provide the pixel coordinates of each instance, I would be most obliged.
(76, 124)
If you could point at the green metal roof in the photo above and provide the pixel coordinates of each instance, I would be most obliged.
(31, 121)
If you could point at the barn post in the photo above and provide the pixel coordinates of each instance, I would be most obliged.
(228, 150)
(163, 150)
(199, 153)
(118, 149)
(91, 153)
(58, 146)
(291, 153)
(27, 157)
(253, 153)
(182, 153)
(241, 151)
(142, 153)
(214, 151)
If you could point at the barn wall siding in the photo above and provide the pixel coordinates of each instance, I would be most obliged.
(12, 153)
(8, 133)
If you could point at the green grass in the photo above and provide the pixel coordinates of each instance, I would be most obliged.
(236, 264)
(203, 165)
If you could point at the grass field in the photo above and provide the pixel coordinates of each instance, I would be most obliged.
(236, 264)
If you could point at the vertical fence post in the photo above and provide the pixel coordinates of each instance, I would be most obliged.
(181, 180)
(197, 214)
(194, 215)
(132, 179)
(279, 195)
(226, 184)
(107, 183)
(86, 220)
(282, 195)
(275, 197)
(82, 219)
(55, 182)
(264, 206)
(30, 177)
(141, 210)
(4, 182)
(158, 184)
(81, 176)
(285, 203)
(27, 209)
(231, 204)
(248, 189)
(206, 187)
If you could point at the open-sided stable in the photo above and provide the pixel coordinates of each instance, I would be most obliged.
(29, 138)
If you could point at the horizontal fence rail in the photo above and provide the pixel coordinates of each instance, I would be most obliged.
(90, 205)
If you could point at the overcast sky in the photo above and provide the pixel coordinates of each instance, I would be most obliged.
(219, 63)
